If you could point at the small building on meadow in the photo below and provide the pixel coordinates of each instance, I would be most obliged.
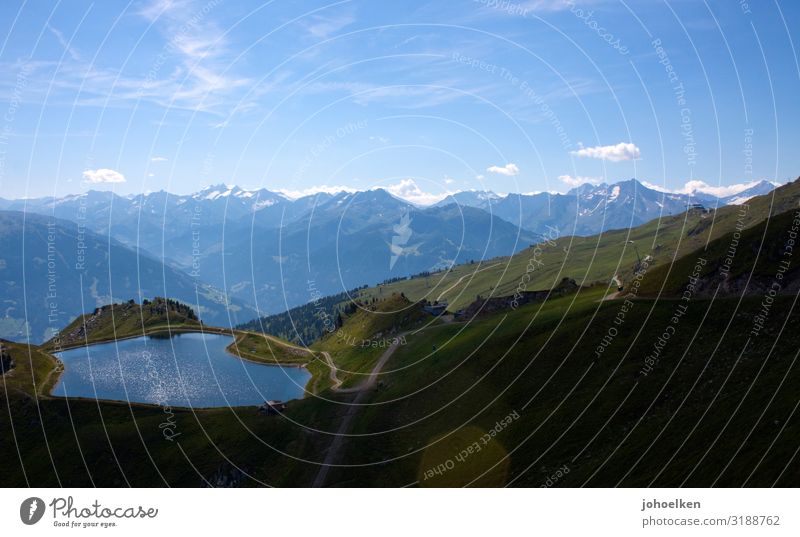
(272, 407)
(436, 309)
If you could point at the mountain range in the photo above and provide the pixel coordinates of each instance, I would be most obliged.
(266, 252)
(590, 209)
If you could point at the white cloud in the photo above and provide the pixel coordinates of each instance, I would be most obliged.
(321, 189)
(103, 175)
(158, 159)
(535, 192)
(691, 187)
(578, 180)
(614, 153)
(409, 190)
(658, 188)
(718, 191)
(509, 169)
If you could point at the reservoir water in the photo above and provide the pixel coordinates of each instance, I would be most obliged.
(188, 369)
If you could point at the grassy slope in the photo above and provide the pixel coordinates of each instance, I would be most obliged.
(270, 350)
(112, 445)
(596, 416)
(267, 349)
(356, 346)
(35, 371)
(590, 259)
(756, 254)
(120, 321)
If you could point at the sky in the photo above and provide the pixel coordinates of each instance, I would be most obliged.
(421, 98)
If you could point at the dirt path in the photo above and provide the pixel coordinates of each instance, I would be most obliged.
(612, 296)
(352, 410)
(44, 389)
(334, 378)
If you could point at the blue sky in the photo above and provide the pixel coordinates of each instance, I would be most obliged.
(418, 97)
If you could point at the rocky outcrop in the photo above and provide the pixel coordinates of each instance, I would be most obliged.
(6, 361)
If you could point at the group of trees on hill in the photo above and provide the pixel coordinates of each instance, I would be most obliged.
(309, 322)
(157, 306)
(167, 305)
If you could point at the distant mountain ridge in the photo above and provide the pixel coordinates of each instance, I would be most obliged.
(346, 241)
(264, 249)
(584, 210)
(589, 209)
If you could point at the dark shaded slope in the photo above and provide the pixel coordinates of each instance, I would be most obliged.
(53, 270)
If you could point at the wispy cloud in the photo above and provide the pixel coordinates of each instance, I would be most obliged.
(191, 70)
(321, 27)
(548, 5)
(200, 47)
(158, 159)
(64, 43)
(509, 169)
(411, 96)
(528, 7)
(613, 153)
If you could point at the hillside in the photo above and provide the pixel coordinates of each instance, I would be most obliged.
(755, 260)
(533, 377)
(592, 259)
(126, 319)
(303, 324)
(366, 330)
(33, 374)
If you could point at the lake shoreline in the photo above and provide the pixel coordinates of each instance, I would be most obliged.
(53, 378)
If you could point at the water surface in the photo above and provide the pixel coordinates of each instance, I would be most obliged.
(188, 369)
